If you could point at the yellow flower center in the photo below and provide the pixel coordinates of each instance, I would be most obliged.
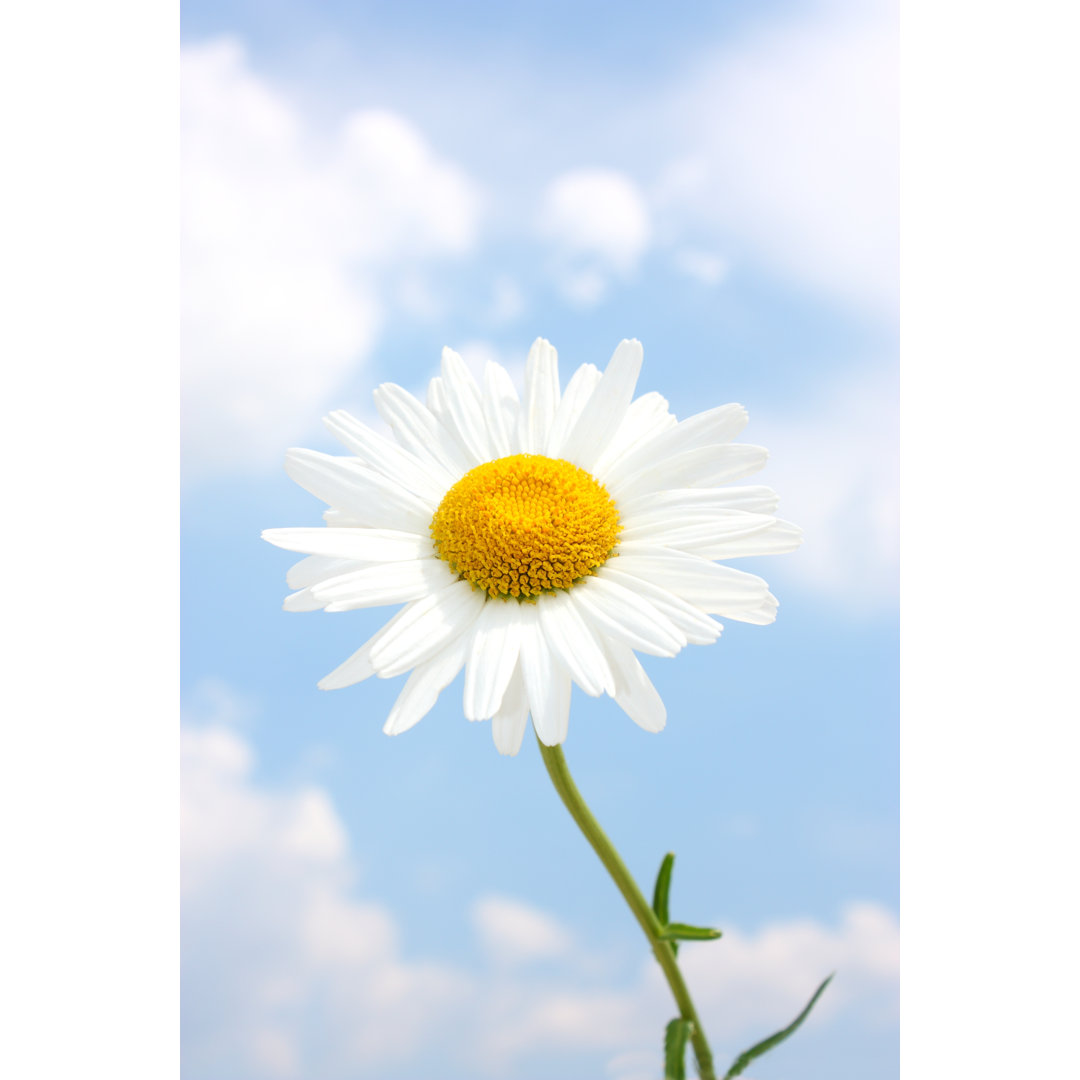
(525, 524)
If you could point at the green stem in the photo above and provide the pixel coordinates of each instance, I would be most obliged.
(555, 761)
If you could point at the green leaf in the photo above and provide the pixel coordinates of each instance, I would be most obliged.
(675, 1037)
(662, 888)
(765, 1045)
(680, 931)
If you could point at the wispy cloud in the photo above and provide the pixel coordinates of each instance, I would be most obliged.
(514, 932)
(836, 467)
(786, 147)
(289, 972)
(285, 974)
(303, 248)
(597, 222)
(292, 243)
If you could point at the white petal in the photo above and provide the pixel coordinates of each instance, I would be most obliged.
(492, 658)
(422, 477)
(541, 396)
(698, 627)
(714, 427)
(366, 545)
(364, 494)
(422, 688)
(606, 407)
(624, 615)
(339, 519)
(427, 626)
(509, 723)
(464, 416)
(386, 583)
(670, 502)
(762, 614)
(578, 391)
(647, 416)
(304, 600)
(706, 466)
(338, 481)
(356, 669)
(501, 410)
(776, 539)
(547, 685)
(713, 587)
(634, 691)
(438, 405)
(315, 568)
(358, 666)
(417, 429)
(572, 642)
(697, 531)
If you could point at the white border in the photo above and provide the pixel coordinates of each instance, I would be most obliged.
(990, 184)
(89, 431)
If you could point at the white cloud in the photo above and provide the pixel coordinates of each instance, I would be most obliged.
(507, 301)
(514, 932)
(746, 985)
(283, 233)
(749, 985)
(583, 288)
(288, 972)
(597, 212)
(598, 223)
(285, 974)
(836, 469)
(399, 200)
(635, 1065)
(704, 266)
(765, 978)
(301, 245)
(214, 702)
(789, 143)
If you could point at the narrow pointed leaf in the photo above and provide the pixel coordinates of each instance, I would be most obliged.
(765, 1045)
(675, 1037)
(662, 888)
(679, 931)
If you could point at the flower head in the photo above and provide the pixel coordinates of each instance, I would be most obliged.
(535, 543)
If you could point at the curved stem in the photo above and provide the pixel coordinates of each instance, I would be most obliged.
(555, 762)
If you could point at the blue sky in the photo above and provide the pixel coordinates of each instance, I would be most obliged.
(366, 183)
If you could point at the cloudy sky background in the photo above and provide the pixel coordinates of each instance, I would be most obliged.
(365, 183)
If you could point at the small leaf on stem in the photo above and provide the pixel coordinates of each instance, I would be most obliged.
(675, 1037)
(765, 1045)
(678, 931)
(662, 888)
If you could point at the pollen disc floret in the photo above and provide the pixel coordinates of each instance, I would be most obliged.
(524, 525)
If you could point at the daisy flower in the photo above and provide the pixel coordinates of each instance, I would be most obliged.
(534, 542)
